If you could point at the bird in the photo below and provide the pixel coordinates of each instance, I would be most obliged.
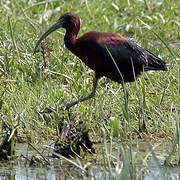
(109, 55)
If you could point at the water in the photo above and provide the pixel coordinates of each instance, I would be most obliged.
(61, 169)
(19, 172)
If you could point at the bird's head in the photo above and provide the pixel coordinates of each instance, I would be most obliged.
(69, 21)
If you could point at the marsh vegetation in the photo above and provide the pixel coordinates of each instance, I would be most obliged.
(134, 135)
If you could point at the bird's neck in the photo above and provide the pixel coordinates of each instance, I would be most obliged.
(70, 40)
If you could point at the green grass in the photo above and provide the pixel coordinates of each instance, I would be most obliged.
(24, 91)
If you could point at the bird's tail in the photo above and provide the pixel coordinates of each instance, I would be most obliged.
(154, 63)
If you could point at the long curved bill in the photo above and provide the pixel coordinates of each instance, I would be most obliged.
(49, 31)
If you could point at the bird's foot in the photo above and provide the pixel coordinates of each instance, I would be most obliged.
(65, 105)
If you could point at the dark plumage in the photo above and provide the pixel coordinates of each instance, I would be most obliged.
(108, 54)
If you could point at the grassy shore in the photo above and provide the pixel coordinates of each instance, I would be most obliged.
(30, 83)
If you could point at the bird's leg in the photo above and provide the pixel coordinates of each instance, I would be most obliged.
(90, 95)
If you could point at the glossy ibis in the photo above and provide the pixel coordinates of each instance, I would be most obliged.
(108, 54)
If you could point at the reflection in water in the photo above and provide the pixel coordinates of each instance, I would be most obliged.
(19, 172)
(154, 174)
(59, 169)
(34, 173)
